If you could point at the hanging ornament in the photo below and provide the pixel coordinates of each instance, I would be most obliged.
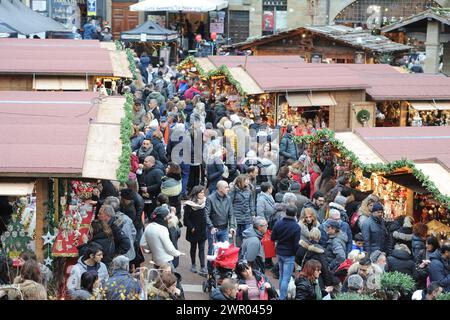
(48, 261)
(48, 238)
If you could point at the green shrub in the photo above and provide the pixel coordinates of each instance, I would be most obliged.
(397, 281)
(353, 296)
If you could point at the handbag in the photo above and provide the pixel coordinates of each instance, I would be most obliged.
(268, 245)
(226, 172)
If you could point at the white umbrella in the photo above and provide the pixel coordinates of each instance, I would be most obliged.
(179, 5)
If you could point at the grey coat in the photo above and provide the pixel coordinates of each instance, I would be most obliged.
(243, 205)
(304, 235)
(219, 211)
(374, 234)
(252, 249)
(335, 250)
(138, 118)
(124, 222)
(265, 206)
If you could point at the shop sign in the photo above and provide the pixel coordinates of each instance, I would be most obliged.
(268, 21)
(217, 21)
(92, 7)
(275, 3)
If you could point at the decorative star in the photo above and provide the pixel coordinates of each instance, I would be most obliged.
(48, 238)
(48, 261)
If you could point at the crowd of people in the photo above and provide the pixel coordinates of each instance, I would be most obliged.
(199, 164)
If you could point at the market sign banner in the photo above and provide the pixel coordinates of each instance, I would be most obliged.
(91, 7)
(268, 21)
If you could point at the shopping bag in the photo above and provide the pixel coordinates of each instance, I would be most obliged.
(268, 245)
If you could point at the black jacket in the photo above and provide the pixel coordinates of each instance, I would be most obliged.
(139, 204)
(121, 240)
(152, 180)
(401, 261)
(159, 151)
(194, 219)
(418, 249)
(107, 244)
(214, 171)
(304, 289)
(308, 251)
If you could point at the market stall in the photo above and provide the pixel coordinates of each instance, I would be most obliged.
(417, 186)
(60, 173)
(60, 65)
(152, 38)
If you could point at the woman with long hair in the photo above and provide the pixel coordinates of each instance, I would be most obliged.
(89, 286)
(308, 220)
(243, 205)
(253, 285)
(29, 283)
(307, 285)
(326, 180)
(363, 213)
(195, 222)
(171, 186)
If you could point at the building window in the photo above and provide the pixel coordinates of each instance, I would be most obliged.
(274, 16)
(374, 14)
(239, 26)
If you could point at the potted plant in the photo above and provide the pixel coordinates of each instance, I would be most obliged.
(354, 296)
(396, 285)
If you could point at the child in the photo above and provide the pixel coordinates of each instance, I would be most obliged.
(358, 242)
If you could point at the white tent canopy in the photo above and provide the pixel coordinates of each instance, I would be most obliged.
(179, 5)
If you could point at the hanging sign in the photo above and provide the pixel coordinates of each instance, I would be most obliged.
(91, 7)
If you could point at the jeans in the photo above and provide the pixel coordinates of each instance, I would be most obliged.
(239, 231)
(185, 168)
(286, 268)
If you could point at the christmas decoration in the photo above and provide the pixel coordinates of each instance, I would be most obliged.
(15, 240)
(48, 261)
(132, 63)
(48, 238)
(126, 125)
(363, 116)
(379, 167)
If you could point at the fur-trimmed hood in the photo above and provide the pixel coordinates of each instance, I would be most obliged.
(313, 247)
(337, 206)
(173, 222)
(355, 267)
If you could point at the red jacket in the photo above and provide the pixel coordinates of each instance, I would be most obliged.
(134, 161)
(189, 93)
(314, 175)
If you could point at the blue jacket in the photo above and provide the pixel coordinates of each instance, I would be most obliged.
(439, 270)
(288, 148)
(286, 232)
(122, 282)
(214, 171)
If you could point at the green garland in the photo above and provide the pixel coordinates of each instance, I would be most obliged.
(193, 60)
(222, 70)
(386, 168)
(119, 45)
(126, 126)
(353, 296)
(132, 63)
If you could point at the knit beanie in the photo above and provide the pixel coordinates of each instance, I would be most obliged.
(377, 207)
(341, 200)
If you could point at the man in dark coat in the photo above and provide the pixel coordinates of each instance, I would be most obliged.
(440, 266)
(401, 260)
(121, 240)
(288, 148)
(150, 182)
(374, 230)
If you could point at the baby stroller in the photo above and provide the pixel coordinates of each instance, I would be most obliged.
(222, 265)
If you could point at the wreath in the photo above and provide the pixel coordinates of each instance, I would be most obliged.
(363, 116)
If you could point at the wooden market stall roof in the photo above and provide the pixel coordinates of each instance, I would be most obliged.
(54, 57)
(413, 143)
(119, 60)
(290, 73)
(358, 39)
(427, 147)
(45, 134)
(425, 16)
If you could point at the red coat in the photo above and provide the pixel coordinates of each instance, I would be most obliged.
(189, 93)
(134, 161)
(314, 175)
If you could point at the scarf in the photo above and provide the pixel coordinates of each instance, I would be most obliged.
(200, 204)
(317, 290)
